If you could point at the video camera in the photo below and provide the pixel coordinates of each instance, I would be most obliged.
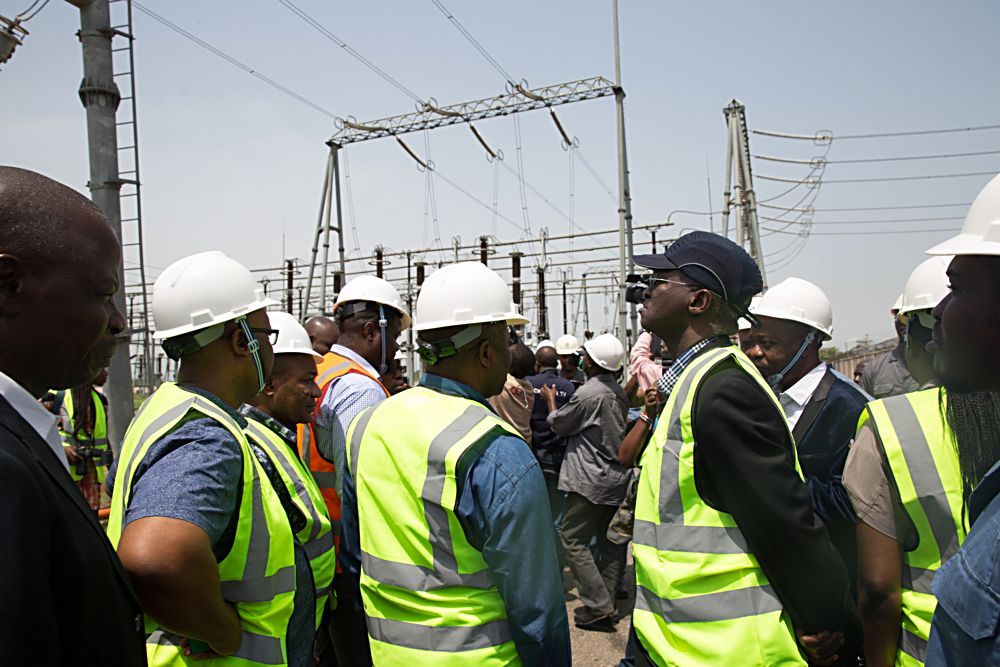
(100, 457)
(635, 288)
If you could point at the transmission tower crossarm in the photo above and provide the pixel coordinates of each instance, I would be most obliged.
(517, 100)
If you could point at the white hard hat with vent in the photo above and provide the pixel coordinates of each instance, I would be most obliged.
(374, 290)
(568, 344)
(463, 294)
(797, 300)
(545, 343)
(292, 336)
(926, 286)
(606, 351)
(980, 233)
(202, 290)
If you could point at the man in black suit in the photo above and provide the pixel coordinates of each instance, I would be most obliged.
(64, 597)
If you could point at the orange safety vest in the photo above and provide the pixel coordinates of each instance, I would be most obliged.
(332, 366)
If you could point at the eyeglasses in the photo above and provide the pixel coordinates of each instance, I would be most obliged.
(272, 334)
(651, 281)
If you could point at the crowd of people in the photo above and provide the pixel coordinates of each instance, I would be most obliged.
(291, 500)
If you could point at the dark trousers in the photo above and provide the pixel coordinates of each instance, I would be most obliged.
(596, 577)
(347, 628)
(556, 500)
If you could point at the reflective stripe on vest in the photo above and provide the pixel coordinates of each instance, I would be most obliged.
(317, 535)
(416, 564)
(701, 597)
(258, 573)
(921, 452)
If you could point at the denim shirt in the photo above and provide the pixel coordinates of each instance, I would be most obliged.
(503, 508)
(964, 630)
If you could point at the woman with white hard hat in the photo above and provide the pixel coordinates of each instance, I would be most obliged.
(593, 423)
(273, 416)
(434, 470)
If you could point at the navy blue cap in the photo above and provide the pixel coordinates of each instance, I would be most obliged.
(712, 261)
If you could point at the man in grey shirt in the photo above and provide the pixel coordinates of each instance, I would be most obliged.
(593, 423)
(888, 374)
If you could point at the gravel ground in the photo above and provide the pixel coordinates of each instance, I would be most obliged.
(602, 648)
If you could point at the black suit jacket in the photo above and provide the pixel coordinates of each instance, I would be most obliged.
(64, 597)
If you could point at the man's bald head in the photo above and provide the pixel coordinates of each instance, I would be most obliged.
(547, 357)
(60, 267)
(323, 333)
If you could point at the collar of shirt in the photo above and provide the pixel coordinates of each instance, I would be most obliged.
(674, 370)
(355, 357)
(240, 419)
(452, 387)
(41, 420)
(802, 391)
(285, 433)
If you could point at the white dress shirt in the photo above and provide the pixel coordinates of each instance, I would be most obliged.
(40, 419)
(793, 400)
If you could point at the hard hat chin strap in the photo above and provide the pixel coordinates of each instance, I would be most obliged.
(776, 379)
(383, 325)
(253, 346)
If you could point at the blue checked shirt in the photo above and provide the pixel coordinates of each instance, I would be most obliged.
(673, 373)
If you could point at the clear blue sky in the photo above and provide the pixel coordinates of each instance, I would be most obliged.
(230, 163)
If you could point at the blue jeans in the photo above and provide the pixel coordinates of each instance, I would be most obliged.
(557, 499)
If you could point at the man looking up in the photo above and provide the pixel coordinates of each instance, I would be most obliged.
(66, 599)
(445, 520)
(197, 523)
(288, 400)
(370, 316)
(731, 562)
(323, 333)
(822, 407)
(593, 423)
(967, 358)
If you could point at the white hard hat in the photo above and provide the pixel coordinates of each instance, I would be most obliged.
(568, 344)
(202, 290)
(744, 323)
(980, 233)
(462, 294)
(926, 286)
(292, 336)
(797, 300)
(399, 355)
(545, 343)
(897, 304)
(606, 351)
(374, 290)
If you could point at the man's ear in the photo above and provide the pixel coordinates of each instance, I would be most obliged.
(238, 343)
(484, 353)
(700, 302)
(370, 330)
(269, 389)
(11, 283)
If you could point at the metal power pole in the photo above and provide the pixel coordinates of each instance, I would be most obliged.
(100, 98)
(742, 196)
(624, 195)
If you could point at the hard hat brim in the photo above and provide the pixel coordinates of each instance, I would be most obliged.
(226, 317)
(965, 244)
(511, 319)
(764, 312)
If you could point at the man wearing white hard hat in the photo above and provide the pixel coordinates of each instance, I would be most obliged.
(289, 399)
(903, 480)
(593, 423)
(370, 316)
(196, 520)
(446, 520)
(967, 358)
(887, 374)
(568, 348)
(794, 319)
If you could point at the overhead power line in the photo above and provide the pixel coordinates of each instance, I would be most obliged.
(861, 222)
(233, 61)
(474, 42)
(825, 136)
(863, 208)
(816, 181)
(354, 53)
(865, 233)
(818, 161)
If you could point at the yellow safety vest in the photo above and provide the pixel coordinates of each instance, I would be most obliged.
(97, 440)
(258, 573)
(701, 596)
(428, 594)
(922, 454)
(317, 534)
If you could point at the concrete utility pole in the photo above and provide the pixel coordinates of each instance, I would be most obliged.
(624, 197)
(100, 98)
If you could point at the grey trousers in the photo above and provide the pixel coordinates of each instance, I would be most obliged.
(584, 524)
